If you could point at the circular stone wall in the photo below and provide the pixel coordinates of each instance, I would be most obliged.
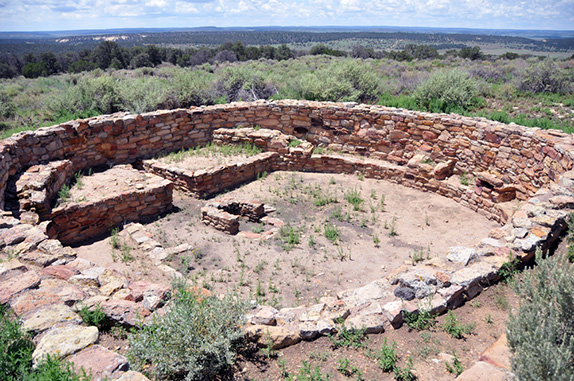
(509, 160)
(420, 150)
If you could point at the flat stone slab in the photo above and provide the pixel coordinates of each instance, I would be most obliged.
(482, 371)
(372, 291)
(125, 312)
(278, 337)
(498, 354)
(64, 341)
(17, 284)
(45, 318)
(64, 272)
(11, 269)
(101, 362)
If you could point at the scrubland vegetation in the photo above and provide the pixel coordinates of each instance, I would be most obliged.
(528, 91)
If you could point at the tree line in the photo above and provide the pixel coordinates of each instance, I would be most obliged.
(110, 55)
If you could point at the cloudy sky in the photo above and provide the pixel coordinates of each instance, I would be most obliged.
(36, 15)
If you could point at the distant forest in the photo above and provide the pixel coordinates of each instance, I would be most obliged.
(111, 55)
(21, 46)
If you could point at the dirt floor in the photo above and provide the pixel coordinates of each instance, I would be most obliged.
(321, 250)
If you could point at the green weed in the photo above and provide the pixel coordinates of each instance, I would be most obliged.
(331, 233)
(455, 328)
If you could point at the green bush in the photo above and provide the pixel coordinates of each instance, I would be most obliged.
(388, 357)
(93, 316)
(90, 96)
(16, 347)
(341, 81)
(541, 331)
(447, 91)
(353, 338)
(144, 94)
(290, 237)
(197, 339)
(419, 320)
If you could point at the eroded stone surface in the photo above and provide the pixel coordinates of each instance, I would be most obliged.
(47, 317)
(278, 337)
(64, 341)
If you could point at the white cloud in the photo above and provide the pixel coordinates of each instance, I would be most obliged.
(185, 7)
(156, 3)
(55, 14)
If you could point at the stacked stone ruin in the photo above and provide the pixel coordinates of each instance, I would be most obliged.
(522, 179)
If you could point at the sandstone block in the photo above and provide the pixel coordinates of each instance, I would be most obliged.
(124, 312)
(372, 323)
(44, 318)
(498, 354)
(483, 371)
(64, 272)
(278, 337)
(14, 285)
(64, 341)
(132, 376)
(461, 254)
(101, 362)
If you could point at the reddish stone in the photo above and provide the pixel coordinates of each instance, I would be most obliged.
(426, 147)
(540, 231)
(101, 362)
(429, 135)
(249, 235)
(398, 134)
(502, 251)
(124, 312)
(491, 137)
(139, 288)
(199, 292)
(490, 179)
(497, 233)
(551, 152)
(11, 269)
(16, 234)
(12, 286)
(562, 201)
(34, 300)
(498, 354)
(61, 271)
(273, 221)
(443, 277)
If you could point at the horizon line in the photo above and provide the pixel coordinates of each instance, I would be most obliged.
(281, 26)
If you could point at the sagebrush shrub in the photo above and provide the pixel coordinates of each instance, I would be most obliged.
(197, 338)
(545, 76)
(453, 88)
(541, 332)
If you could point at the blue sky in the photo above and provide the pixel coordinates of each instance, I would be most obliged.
(36, 15)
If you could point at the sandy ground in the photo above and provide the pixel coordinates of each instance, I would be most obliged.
(423, 224)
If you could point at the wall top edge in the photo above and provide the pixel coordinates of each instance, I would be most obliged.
(351, 107)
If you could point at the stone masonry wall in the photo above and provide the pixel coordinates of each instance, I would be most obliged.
(522, 158)
(78, 221)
